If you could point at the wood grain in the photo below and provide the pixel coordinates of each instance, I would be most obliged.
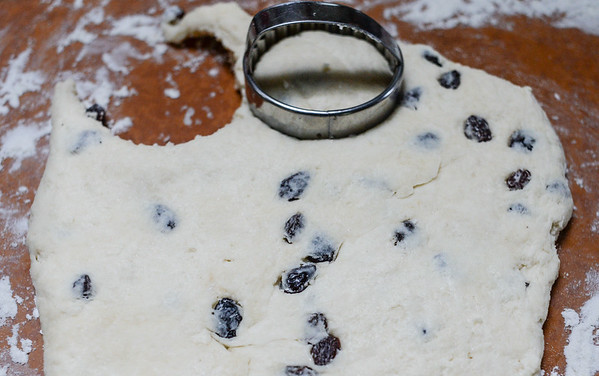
(559, 64)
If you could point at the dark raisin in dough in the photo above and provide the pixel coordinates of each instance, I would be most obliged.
(559, 187)
(321, 250)
(300, 371)
(298, 279)
(228, 317)
(518, 179)
(428, 140)
(292, 187)
(317, 328)
(476, 128)
(521, 140)
(165, 218)
(411, 98)
(173, 15)
(86, 139)
(83, 287)
(440, 260)
(319, 322)
(293, 226)
(95, 111)
(325, 351)
(432, 58)
(450, 80)
(518, 208)
(407, 227)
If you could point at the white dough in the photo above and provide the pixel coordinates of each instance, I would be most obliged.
(465, 293)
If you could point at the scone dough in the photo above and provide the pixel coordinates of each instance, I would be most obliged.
(430, 237)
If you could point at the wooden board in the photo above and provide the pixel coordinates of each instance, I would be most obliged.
(559, 64)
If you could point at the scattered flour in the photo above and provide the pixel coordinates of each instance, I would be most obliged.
(208, 112)
(102, 89)
(582, 350)
(94, 16)
(20, 142)
(8, 304)
(122, 125)
(117, 59)
(188, 118)
(579, 182)
(141, 27)
(172, 93)
(19, 354)
(433, 14)
(14, 81)
(213, 72)
(592, 281)
(194, 62)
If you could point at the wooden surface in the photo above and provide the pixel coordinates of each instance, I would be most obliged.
(559, 64)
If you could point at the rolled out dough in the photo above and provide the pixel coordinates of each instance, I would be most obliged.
(424, 246)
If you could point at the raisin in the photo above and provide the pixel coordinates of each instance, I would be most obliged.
(407, 227)
(317, 328)
(428, 140)
(293, 226)
(173, 15)
(300, 371)
(411, 98)
(83, 287)
(518, 179)
(292, 187)
(432, 58)
(95, 111)
(165, 218)
(228, 317)
(559, 187)
(321, 251)
(319, 322)
(325, 351)
(86, 139)
(518, 208)
(476, 128)
(450, 80)
(521, 140)
(440, 260)
(298, 279)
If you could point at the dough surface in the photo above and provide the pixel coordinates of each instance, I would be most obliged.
(430, 237)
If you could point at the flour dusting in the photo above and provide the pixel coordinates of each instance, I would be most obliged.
(15, 81)
(188, 118)
(19, 348)
(433, 14)
(80, 34)
(8, 304)
(141, 27)
(595, 223)
(122, 125)
(582, 350)
(20, 142)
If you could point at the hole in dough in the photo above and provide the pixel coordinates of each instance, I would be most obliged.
(190, 92)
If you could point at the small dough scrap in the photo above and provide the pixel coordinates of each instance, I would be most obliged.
(424, 246)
